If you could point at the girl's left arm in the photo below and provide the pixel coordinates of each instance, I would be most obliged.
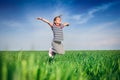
(66, 24)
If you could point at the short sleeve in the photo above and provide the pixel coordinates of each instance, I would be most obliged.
(62, 26)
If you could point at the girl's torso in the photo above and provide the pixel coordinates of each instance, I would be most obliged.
(58, 32)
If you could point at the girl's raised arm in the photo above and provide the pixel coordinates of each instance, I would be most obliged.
(46, 21)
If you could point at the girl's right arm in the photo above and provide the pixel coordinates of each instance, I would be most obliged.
(46, 21)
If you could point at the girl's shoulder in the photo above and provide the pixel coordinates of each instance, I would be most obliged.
(61, 26)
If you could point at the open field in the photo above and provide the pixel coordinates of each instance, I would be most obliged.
(74, 65)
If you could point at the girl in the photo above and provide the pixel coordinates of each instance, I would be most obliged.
(57, 28)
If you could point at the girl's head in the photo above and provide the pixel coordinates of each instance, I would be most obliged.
(57, 20)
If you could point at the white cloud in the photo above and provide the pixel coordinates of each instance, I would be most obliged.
(102, 26)
(31, 34)
(100, 36)
(12, 24)
(77, 17)
(37, 39)
(83, 18)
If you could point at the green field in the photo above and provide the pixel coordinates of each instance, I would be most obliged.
(74, 65)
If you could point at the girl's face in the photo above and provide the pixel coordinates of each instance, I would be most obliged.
(57, 20)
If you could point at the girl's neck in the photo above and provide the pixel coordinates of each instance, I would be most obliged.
(57, 24)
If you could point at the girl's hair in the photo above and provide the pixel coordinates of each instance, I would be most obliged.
(57, 17)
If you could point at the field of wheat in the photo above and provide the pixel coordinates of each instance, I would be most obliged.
(73, 65)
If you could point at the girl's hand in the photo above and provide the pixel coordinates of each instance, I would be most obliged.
(39, 18)
(66, 24)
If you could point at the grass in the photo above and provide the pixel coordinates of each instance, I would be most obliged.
(74, 65)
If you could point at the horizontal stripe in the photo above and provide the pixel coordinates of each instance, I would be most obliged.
(58, 33)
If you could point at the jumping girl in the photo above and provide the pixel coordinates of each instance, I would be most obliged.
(57, 28)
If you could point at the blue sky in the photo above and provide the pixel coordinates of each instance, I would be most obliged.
(94, 24)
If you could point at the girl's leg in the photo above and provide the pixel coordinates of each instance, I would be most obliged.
(50, 53)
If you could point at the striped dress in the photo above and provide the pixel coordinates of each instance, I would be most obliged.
(58, 32)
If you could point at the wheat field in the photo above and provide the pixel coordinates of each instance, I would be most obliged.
(73, 65)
